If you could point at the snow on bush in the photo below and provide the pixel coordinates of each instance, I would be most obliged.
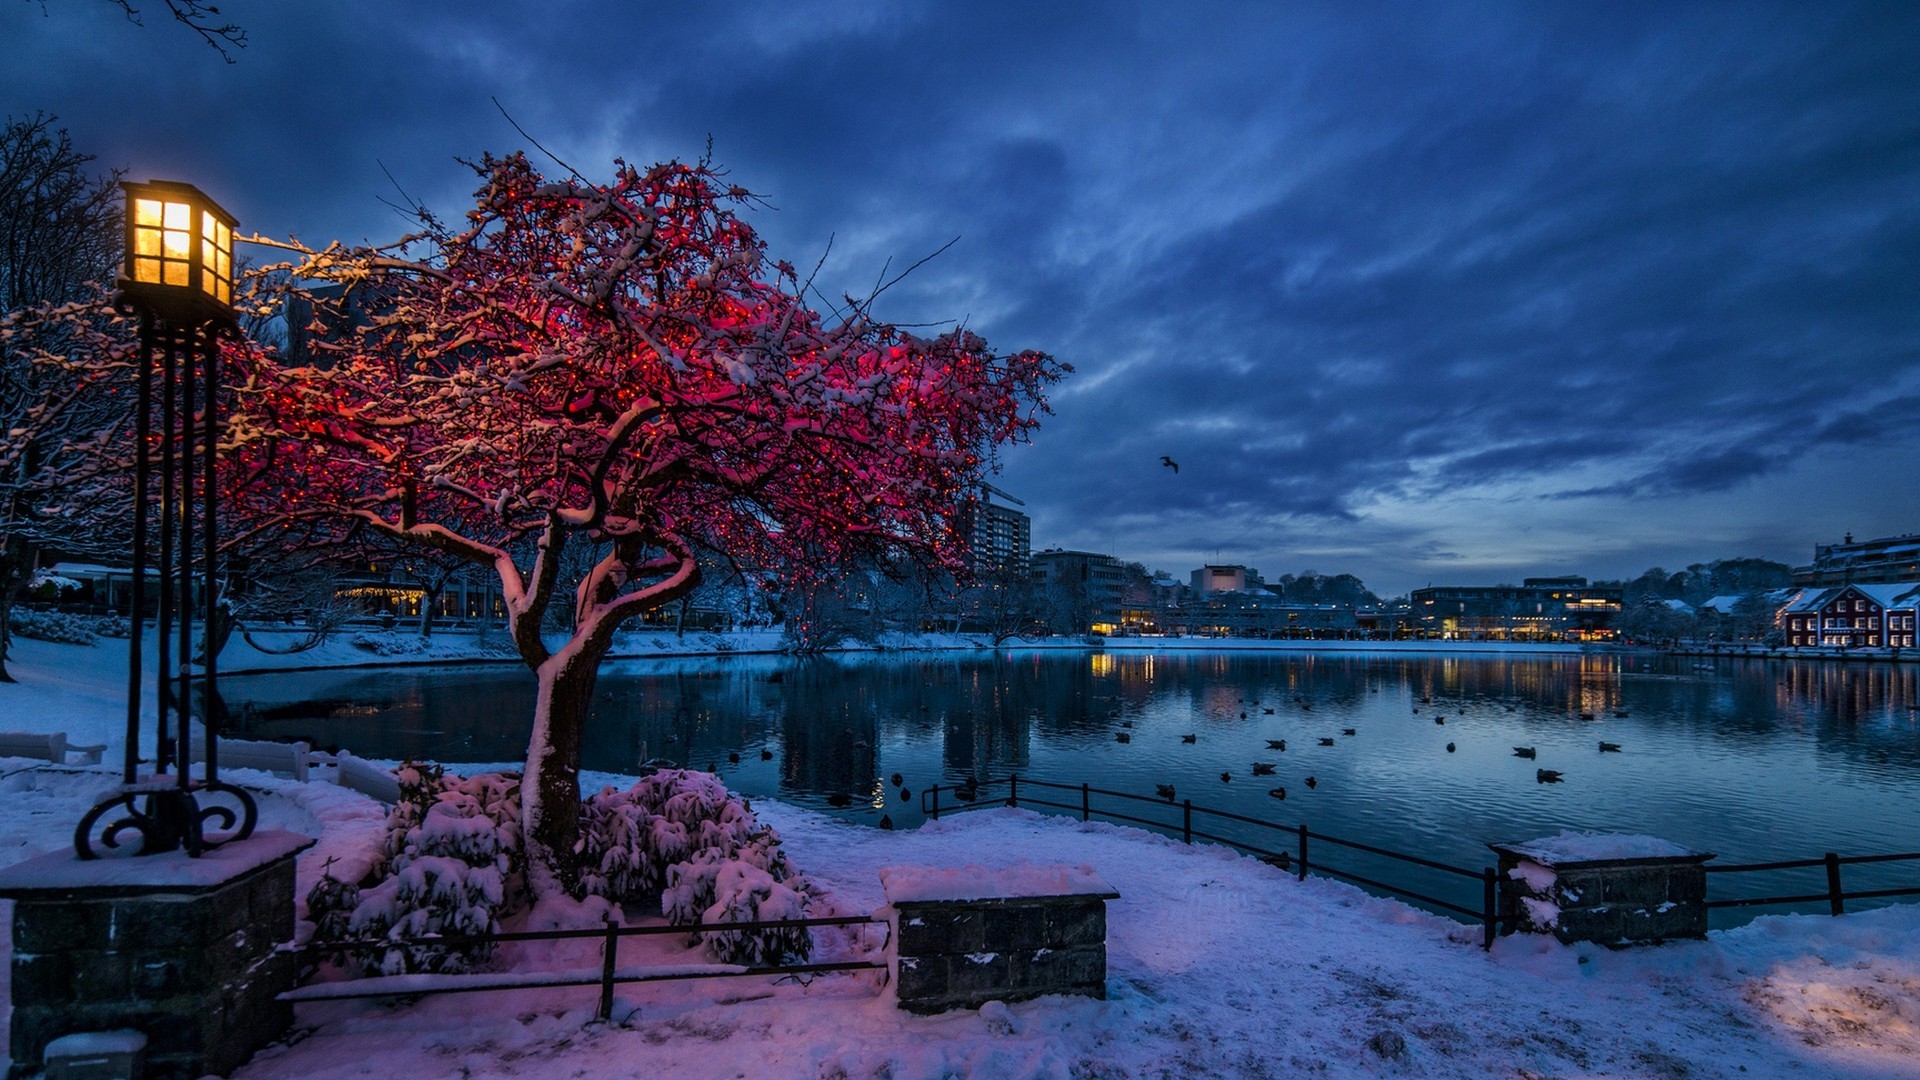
(684, 836)
(55, 626)
(451, 864)
(389, 644)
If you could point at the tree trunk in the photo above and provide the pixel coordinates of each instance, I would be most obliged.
(550, 789)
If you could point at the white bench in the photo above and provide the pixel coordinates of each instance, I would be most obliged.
(363, 776)
(54, 747)
(293, 759)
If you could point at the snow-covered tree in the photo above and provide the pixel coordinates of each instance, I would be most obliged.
(66, 391)
(618, 365)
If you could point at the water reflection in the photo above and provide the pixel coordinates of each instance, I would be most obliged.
(1756, 760)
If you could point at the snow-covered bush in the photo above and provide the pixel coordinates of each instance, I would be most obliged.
(451, 864)
(683, 835)
(55, 626)
(113, 626)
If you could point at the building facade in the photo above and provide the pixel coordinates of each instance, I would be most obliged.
(998, 536)
(1886, 561)
(1538, 609)
(1873, 616)
(1083, 591)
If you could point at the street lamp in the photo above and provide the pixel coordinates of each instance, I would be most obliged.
(178, 278)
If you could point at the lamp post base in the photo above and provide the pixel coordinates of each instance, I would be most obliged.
(167, 817)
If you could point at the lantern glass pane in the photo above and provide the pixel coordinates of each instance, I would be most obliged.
(176, 244)
(207, 255)
(179, 216)
(146, 271)
(208, 226)
(175, 273)
(146, 242)
(146, 212)
(225, 239)
(224, 293)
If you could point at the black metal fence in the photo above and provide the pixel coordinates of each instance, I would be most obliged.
(1833, 895)
(1294, 846)
(608, 975)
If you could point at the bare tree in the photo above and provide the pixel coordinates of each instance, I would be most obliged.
(59, 224)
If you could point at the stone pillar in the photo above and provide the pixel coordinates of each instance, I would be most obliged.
(966, 937)
(1614, 890)
(179, 949)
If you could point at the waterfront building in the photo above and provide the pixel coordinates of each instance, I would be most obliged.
(1886, 561)
(999, 537)
(1548, 608)
(1083, 591)
(1867, 616)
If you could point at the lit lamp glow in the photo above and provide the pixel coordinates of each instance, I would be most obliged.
(179, 250)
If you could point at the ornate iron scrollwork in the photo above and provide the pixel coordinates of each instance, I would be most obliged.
(167, 818)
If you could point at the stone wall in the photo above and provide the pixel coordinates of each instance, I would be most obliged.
(963, 953)
(1618, 901)
(191, 964)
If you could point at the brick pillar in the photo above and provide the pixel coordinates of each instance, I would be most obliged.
(179, 949)
(991, 944)
(1614, 890)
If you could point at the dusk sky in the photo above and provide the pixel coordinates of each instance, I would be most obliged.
(1453, 293)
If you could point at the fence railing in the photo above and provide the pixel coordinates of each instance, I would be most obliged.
(606, 976)
(1299, 854)
(1834, 895)
(1020, 792)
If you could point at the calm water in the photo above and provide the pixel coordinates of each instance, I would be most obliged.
(1755, 760)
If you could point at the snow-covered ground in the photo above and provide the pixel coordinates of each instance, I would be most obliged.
(1218, 966)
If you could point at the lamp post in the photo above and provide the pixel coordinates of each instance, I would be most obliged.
(178, 279)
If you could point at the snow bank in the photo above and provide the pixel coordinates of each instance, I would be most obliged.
(908, 884)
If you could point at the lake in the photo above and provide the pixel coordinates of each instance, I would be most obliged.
(1756, 760)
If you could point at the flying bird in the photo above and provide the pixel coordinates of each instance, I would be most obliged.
(1170, 463)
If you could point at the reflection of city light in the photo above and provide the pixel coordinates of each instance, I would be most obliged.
(1102, 664)
(879, 799)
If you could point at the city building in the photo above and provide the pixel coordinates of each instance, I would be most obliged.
(1869, 562)
(1555, 608)
(1872, 616)
(998, 536)
(1083, 591)
(1238, 579)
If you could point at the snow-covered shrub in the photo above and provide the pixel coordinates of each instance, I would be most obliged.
(452, 864)
(684, 835)
(744, 892)
(55, 626)
(113, 626)
(330, 905)
(431, 895)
